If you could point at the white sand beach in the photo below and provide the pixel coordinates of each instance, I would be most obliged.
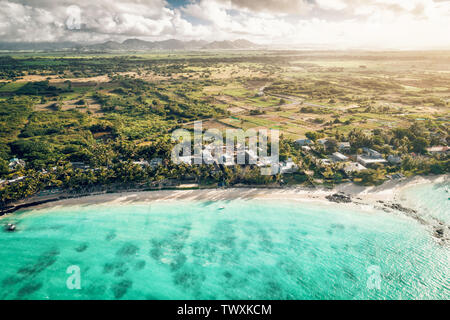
(369, 196)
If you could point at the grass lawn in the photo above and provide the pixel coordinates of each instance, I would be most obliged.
(12, 87)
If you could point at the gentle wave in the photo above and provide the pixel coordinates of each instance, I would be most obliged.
(222, 250)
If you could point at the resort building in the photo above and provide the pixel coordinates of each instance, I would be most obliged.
(266, 161)
(344, 147)
(370, 157)
(143, 163)
(438, 150)
(394, 159)
(325, 162)
(304, 142)
(80, 165)
(16, 163)
(338, 157)
(306, 148)
(288, 166)
(155, 162)
(271, 167)
(368, 161)
(353, 167)
(372, 153)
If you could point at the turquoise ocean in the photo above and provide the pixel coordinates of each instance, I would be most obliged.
(430, 199)
(238, 249)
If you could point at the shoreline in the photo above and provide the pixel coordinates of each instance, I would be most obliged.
(390, 191)
(387, 197)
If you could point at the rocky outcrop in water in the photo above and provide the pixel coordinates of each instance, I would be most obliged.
(339, 198)
(399, 207)
(438, 226)
(440, 230)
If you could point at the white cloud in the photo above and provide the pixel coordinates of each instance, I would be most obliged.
(332, 4)
(382, 23)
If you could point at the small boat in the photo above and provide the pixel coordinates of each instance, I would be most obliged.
(221, 208)
(10, 227)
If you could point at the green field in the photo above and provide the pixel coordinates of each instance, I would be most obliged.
(108, 109)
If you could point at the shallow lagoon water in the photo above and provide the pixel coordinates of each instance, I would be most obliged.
(430, 199)
(195, 250)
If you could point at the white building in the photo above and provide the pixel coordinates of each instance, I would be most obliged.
(370, 157)
(372, 153)
(368, 161)
(339, 157)
(353, 167)
(394, 159)
(306, 148)
(80, 165)
(304, 142)
(344, 146)
(16, 163)
(288, 166)
(325, 162)
(155, 162)
(438, 150)
(142, 163)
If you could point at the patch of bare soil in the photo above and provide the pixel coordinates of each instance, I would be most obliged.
(58, 79)
(235, 110)
(90, 105)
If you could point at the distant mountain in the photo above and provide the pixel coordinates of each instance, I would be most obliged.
(220, 45)
(109, 45)
(136, 44)
(142, 45)
(130, 45)
(228, 45)
(171, 44)
(194, 44)
(245, 43)
(38, 46)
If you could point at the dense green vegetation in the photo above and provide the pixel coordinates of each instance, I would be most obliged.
(79, 123)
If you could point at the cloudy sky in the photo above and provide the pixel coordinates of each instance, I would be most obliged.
(402, 24)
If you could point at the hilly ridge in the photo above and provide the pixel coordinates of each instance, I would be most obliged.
(131, 44)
